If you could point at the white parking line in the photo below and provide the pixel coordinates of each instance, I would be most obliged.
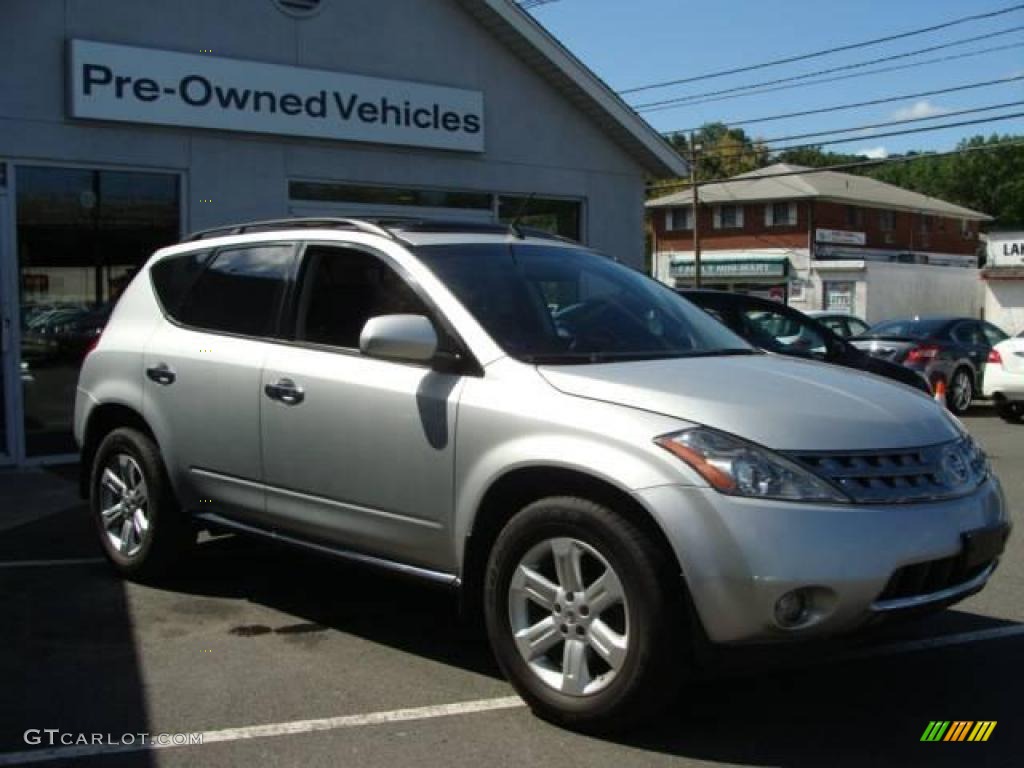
(50, 563)
(270, 729)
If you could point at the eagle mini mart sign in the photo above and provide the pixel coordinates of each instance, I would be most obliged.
(840, 236)
(142, 85)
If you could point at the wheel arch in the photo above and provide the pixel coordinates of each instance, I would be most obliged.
(104, 419)
(521, 486)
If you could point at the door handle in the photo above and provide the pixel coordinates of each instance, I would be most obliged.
(161, 373)
(285, 391)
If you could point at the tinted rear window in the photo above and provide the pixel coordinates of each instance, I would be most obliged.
(912, 329)
(173, 276)
(240, 291)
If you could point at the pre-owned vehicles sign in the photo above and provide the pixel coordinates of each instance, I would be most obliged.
(141, 85)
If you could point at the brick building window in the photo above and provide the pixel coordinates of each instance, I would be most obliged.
(677, 219)
(780, 215)
(854, 217)
(887, 221)
(728, 217)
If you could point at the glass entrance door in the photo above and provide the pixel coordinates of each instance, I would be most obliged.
(81, 236)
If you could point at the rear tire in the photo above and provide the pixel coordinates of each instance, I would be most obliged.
(1010, 411)
(960, 392)
(585, 614)
(143, 532)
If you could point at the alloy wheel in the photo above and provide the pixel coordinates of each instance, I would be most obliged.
(569, 616)
(124, 504)
(962, 391)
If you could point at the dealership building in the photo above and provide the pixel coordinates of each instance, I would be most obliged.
(125, 124)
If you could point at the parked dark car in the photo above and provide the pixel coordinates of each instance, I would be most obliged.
(952, 350)
(778, 328)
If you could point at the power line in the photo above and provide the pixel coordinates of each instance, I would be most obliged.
(828, 51)
(855, 105)
(648, 106)
(526, 5)
(868, 126)
(739, 152)
(849, 166)
(879, 71)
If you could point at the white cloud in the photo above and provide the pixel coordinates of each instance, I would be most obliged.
(918, 109)
(875, 153)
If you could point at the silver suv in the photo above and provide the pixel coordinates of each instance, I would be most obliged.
(609, 472)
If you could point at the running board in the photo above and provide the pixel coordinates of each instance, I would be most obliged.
(413, 571)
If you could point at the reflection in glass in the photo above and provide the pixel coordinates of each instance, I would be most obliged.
(81, 237)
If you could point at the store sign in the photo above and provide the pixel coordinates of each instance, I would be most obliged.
(840, 236)
(141, 85)
(730, 269)
(1006, 251)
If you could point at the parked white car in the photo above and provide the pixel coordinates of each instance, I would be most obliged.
(1004, 378)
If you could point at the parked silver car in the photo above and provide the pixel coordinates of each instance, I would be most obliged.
(608, 483)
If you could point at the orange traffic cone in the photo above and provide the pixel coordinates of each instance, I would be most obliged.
(940, 392)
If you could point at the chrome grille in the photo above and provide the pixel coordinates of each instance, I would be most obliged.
(906, 475)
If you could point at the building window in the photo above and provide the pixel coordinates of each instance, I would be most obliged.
(887, 221)
(780, 215)
(728, 217)
(966, 231)
(854, 217)
(559, 217)
(924, 224)
(82, 235)
(677, 219)
(327, 192)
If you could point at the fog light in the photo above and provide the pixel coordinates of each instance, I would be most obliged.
(791, 608)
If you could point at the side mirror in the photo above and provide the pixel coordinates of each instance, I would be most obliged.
(409, 338)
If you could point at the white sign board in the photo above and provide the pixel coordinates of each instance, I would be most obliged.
(840, 236)
(141, 85)
(1006, 249)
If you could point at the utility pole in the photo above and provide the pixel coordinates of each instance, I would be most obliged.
(694, 149)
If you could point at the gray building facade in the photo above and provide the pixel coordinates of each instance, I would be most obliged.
(126, 123)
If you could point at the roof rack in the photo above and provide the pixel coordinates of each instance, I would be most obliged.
(362, 225)
(384, 226)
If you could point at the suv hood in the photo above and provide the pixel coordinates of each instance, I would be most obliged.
(778, 402)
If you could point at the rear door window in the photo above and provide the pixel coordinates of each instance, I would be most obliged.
(240, 291)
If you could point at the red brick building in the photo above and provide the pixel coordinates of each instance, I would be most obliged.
(823, 240)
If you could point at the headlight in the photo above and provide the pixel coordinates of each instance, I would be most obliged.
(739, 468)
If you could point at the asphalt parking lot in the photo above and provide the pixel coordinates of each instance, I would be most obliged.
(282, 659)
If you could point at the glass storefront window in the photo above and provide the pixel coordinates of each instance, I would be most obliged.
(81, 236)
(559, 217)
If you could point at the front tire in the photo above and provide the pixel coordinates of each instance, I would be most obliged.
(585, 614)
(960, 392)
(141, 528)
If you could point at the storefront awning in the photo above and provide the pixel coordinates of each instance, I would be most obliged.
(740, 265)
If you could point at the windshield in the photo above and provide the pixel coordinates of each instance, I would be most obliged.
(551, 304)
(913, 329)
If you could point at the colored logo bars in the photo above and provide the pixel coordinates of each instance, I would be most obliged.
(958, 730)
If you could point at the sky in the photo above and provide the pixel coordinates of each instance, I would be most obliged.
(632, 43)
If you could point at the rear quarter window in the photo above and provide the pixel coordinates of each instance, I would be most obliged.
(173, 276)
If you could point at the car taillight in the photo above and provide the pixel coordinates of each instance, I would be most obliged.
(92, 344)
(995, 357)
(923, 352)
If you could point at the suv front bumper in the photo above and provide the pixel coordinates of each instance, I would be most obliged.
(740, 556)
